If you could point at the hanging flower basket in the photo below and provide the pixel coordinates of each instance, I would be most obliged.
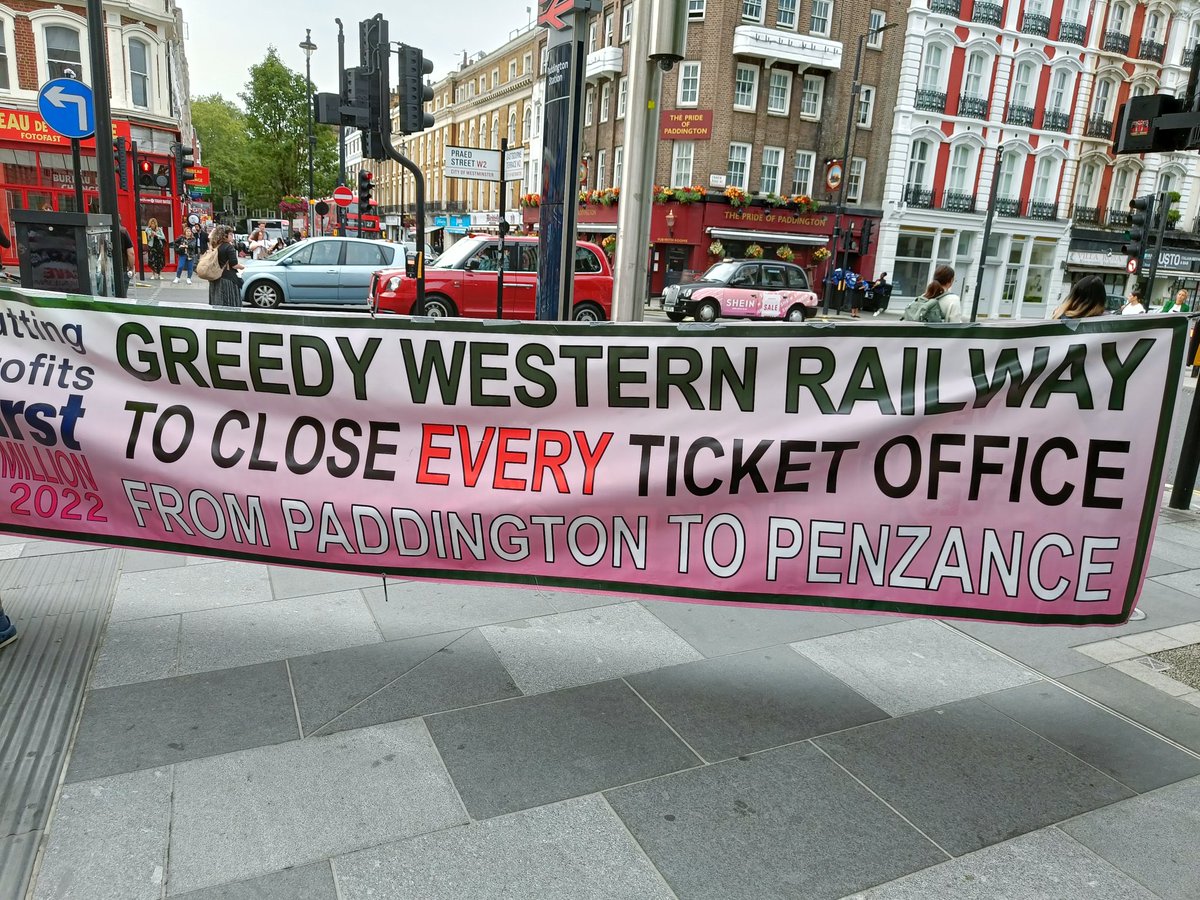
(293, 207)
(663, 194)
(605, 197)
(821, 254)
(785, 253)
(584, 197)
(686, 195)
(754, 251)
(609, 244)
(737, 197)
(716, 248)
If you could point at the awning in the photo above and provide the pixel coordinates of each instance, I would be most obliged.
(429, 228)
(596, 227)
(774, 237)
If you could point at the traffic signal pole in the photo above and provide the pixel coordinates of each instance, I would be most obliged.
(419, 189)
(105, 169)
(135, 176)
(1159, 228)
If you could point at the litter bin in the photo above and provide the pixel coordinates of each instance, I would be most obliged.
(61, 251)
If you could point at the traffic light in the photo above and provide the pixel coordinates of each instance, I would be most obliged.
(121, 160)
(864, 242)
(184, 160)
(365, 184)
(146, 173)
(412, 91)
(1141, 222)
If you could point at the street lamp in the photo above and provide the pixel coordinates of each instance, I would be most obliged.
(855, 90)
(1001, 149)
(308, 47)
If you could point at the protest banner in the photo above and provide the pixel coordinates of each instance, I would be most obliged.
(1009, 473)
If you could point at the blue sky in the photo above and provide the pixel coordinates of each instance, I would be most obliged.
(221, 46)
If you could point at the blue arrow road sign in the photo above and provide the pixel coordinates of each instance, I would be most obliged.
(68, 108)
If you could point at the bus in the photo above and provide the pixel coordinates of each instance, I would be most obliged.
(275, 228)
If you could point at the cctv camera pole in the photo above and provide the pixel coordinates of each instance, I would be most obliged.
(106, 169)
(632, 258)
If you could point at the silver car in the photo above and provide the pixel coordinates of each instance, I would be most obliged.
(316, 270)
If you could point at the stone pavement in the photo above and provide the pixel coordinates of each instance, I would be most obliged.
(256, 731)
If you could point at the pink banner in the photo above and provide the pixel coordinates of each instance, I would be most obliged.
(1008, 472)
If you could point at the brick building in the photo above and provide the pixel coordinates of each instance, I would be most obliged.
(149, 81)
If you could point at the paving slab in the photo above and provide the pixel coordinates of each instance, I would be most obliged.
(261, 632)
(288, 581)
(719, 630)
(527, 752)
(149, 560)
(414, 608)
(575, 850)
(312, 882)
(567, 601)
(969, 776)
(254, 812)
(1152, 838)
(163, 592)
(1122, 751)
(912, 665)
(108, 839)
(567, 649)
(396, 680)
(752, 701)
(787, 823)
(1159, 712)
(152, 724)
(1042, 865)
(137, 650)
(1159, 566)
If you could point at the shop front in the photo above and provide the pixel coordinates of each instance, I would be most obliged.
(1100, 253)
(36, 172)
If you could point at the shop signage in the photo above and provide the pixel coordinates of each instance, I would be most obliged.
(27, 127)
(1059, 436)
(833, 174)
(1168, 259)
(760, 217)
(685, 125)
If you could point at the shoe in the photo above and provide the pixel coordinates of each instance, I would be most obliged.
(176, 281)
(8, 631)
(877, 312)
(189, 281)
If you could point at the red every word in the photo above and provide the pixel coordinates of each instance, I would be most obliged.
(56, 503)
(552, 450)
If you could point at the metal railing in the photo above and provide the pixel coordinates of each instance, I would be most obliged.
(972, 107)
(1086, 215)
(1035, 23)
(1151, 50)
(1117, 218)
(1006, 206)
(1042, 209)
(1116, 42)
(1099, 127)
(987, 13)
(918, 196)
(1072, 32)
(1053, 120)
(958, 201)
(946, 7)
(934, 101)
(1019, 115)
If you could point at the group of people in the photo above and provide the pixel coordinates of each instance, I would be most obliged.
(857, 292)
(191, 243)
(1088, 298)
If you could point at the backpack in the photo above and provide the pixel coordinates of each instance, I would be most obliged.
(208, 268)
(922, 310)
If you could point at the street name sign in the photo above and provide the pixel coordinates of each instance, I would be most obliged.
(68, 107)
(484, 165)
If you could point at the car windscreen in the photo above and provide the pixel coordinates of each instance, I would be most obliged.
(280, 253)
(454, 256)
(722, 271)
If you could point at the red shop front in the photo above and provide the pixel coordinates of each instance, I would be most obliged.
(36, 173)
(687, 238)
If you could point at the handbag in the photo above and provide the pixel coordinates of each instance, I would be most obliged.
(208, 268)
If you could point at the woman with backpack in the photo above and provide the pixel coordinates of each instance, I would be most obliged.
(937, 304)
(226, 290)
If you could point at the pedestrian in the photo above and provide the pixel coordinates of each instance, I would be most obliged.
(883, 293)
(258, 243)
(156, 244)
(8, 631)
(852, 282)
(127, 247)
(1086, 299)
(295, 238)
(202, 239)
(226, 290)
(187, 251)
(1179, 304)
(938, 303)
(1134, 305)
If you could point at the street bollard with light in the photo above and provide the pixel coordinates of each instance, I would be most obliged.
(309, 47)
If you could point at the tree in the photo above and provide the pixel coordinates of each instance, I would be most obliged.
(221, 127)
(276, 126)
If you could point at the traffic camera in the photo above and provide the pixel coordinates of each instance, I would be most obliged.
(365, 185)
(1141, 222)
(412, 91)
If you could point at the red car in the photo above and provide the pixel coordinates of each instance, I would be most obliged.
(462, 282)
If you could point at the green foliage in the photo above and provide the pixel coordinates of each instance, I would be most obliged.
(221, 128)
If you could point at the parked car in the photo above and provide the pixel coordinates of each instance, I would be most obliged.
(745, 288)
(317, 270)
(462, 282)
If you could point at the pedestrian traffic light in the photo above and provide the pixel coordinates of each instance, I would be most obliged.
(365, 184)
(121, 161)
(146, 173)
(412, 91)
(184, 160)
(864, 242)
(1141, 221)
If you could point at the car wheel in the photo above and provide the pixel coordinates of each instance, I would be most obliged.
(440, 307)
(587, 311)
(708, 311)
(676, 316)
(265, 295)
(798, 313)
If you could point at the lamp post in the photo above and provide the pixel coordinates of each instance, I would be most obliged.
(308, 47)
(341, 210)
(987, 228)
(855, 90)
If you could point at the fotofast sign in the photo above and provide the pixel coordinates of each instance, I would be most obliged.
(1007, 473)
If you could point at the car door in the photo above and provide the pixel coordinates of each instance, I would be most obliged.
(362, 260)
(313, 277)
(774, 297)
(520, 280)
(479, 282)
(743, 292)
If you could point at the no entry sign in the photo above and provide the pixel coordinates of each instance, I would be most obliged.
(343, 196)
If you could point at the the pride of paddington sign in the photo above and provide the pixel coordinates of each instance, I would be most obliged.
(1005, 472)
